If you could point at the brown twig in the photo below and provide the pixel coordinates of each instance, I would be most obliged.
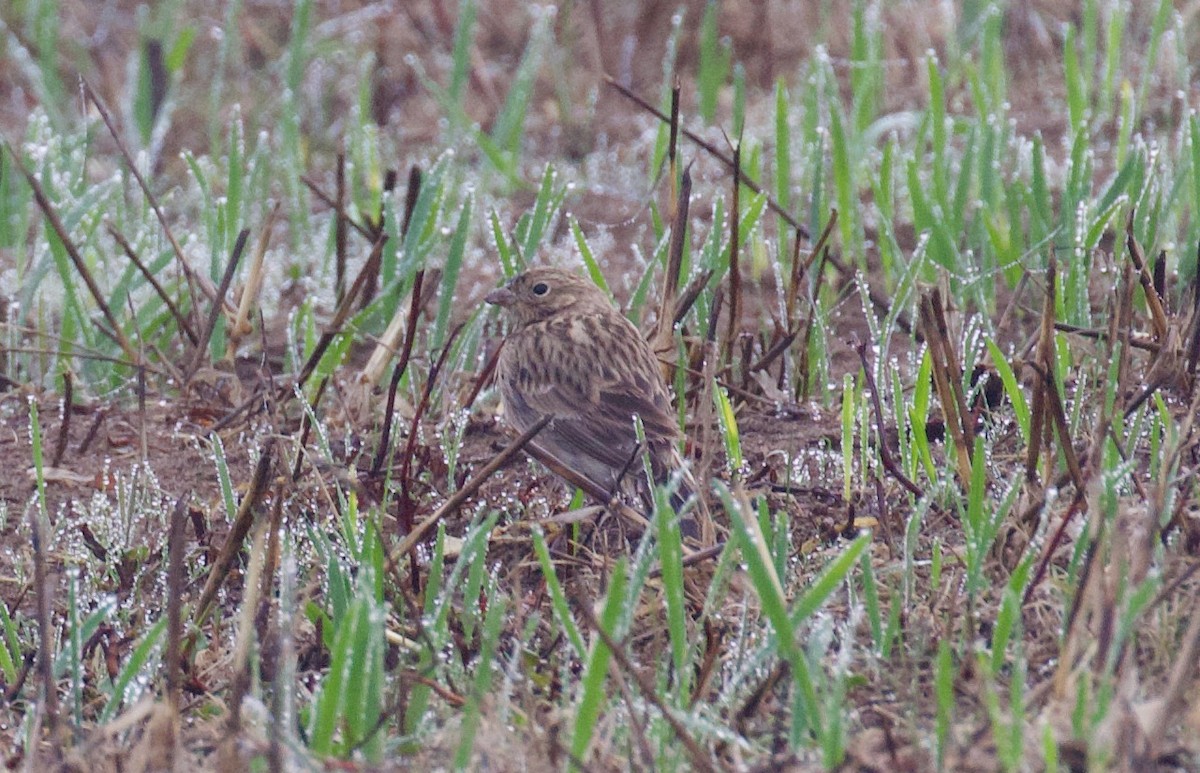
(235, 258)
(709, 148)
(176, 577)
(306, 428)
(673, 150)
(406, 501)
(700, 759)
(60, 230)
(45, 662)
(664, 334)
(193, 278)
(130, 253)
(240, 326)
(688, 297)
(806, 334)
(341, 314)
(64, 428)
(339, 229)
(735, 250)
(1192, 355)
(885, 451)
(879, 301)
(800, 268)
(947, 380)
(1158, 315)
(469, 488)
(242, 522)
(410, 334)
(1045, 357)
(339, 212)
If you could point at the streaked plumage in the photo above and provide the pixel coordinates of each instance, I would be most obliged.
(572, 355)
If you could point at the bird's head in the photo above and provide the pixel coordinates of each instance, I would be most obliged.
(541, 293)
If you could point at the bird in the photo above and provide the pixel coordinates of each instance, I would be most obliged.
(571, 355)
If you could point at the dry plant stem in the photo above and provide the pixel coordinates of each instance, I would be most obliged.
(944, 371)
(1183, 671)
(701, 760)
(1193, 349)
(809, 323)
(1058, 416)
(955, 367)
(885, 452)
(306, 428)
(800, 268)
(414, 310)
(13, 690)
(413, 538)
(638, 723)
(673, 148)
(735, 244)
(385, 348)
(406, 501)
(235, 258)
(1142, 344)
(176, 578)
(262, 619)
(233, 543)
(246, 631)
(755, 699)
(411, 192)
(56, 224)
(708, 665)
(406, 465)
(708, 148)
(881, 303)
(339, 212)
(45, 656)
(1078, 504)
(705, 410)
(259, 396)
(254, 279)
(339, 319)
(1044, 354)
(690, 293)
(1158, 316)
(663, 343)
(339, 230)
(773, 353)
(192, 277)
(1160, 278)
(482, 379)
(64, 427)
(180, 320)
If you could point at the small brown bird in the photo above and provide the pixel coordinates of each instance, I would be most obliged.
(572, 355)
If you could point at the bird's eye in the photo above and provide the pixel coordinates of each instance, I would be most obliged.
(541, 288)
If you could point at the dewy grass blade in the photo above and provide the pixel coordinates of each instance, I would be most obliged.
(558, 599)
(482, 682)
(670, 557)
(453, 265)
(10, 646)
(464, 32)
(592, 693)
(770, 594)
(141, 659)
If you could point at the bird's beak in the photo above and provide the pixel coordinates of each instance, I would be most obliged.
(501, 296)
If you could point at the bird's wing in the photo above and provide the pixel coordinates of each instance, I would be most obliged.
(594, 393)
